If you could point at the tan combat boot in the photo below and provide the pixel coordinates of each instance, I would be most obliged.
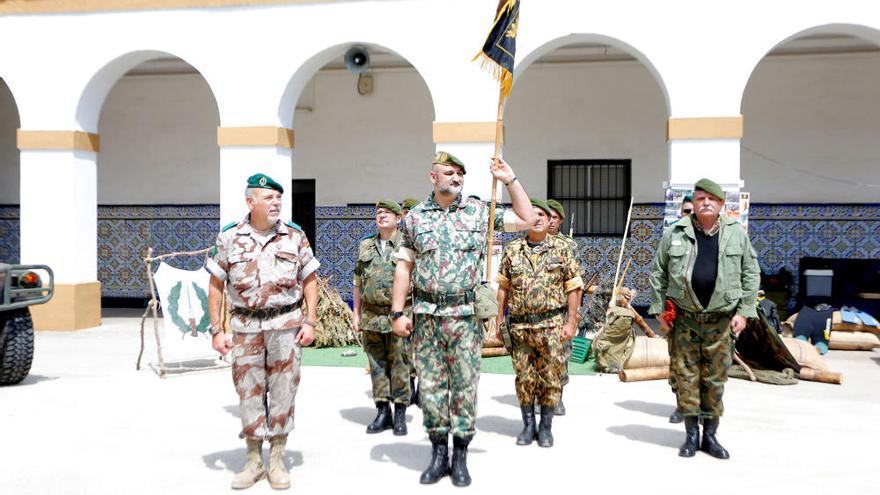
(253, 471)
(279, 478)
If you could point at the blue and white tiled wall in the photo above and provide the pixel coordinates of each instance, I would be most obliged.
(781, 235)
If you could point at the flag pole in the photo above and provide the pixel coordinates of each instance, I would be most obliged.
(495, 160)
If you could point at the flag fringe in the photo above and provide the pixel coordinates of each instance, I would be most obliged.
(498, 72)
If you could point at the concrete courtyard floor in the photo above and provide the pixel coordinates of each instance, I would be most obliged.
(86, 422)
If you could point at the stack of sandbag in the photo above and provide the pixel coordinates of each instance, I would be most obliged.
(813, 367)
(847, 334)
(649, 361)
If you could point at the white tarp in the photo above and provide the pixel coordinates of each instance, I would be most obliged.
(185, 332)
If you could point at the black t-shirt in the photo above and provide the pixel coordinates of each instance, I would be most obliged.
(705, 267)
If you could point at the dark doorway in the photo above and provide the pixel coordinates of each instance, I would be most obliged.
(303, 211)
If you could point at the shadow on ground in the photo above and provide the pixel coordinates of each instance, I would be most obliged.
(642, 433)
(359, 415)
(234, 460)
(35, 379)
(507, 400)
(409, 456)
(500, 425)
(652, 408)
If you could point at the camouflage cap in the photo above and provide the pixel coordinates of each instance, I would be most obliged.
(389, 205)
(542, 205)
(710, 187)
(263, 181)
(408, 203)
(446, 158)
(557, 207)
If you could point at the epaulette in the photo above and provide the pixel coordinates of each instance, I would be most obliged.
(293, 225)
(228, 226)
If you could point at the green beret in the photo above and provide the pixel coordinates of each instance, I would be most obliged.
(710, 187)
(408, 203)
(542, 205)
(688, 198)
(446, 158)
(263, 181)
(389, 205)
(557, 207)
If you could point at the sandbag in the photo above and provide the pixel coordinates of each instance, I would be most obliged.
(805, 354)
(838, 324)
(853, 341)
(614, 346)
(648, 353)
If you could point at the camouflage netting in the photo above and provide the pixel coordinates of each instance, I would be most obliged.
(593, 312)
(335, 319)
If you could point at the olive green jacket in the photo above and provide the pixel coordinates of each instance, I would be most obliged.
(736, 288)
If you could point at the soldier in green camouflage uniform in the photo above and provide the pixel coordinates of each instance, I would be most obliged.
(405, 206)
(706, 266)
(443, 246)
(557, 216)
(687, 207)
(541, 279)
(387, 353)
(268, 268)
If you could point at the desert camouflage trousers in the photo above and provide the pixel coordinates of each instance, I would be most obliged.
(389, 366)
(566, 355)
(265, 371)
(537, 359)
(447, 353)
(702, 355)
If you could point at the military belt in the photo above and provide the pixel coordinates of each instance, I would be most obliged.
(445, 299)
(379, 309)
(536, 317)
(704, 317)
(264, 313)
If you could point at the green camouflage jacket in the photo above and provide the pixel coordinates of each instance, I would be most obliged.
(374, 276)
(538, 279)
(736, 288)
(446, 247)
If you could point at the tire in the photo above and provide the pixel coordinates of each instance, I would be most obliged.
(17, 347)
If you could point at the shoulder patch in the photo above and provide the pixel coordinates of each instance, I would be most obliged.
(228, 226)
(293, 225)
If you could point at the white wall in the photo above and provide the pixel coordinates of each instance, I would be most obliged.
(588, 111)
(159, 142)
(362, 148)
(9, 159)
(812, 130)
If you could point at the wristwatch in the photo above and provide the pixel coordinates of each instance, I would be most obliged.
(395, 315)
(215, 329)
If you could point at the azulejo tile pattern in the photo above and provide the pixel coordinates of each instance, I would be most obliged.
(781, 234)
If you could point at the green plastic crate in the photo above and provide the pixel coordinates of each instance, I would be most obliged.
(580, 349)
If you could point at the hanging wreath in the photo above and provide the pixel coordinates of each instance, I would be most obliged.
(173, 305)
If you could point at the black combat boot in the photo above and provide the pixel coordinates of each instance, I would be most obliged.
(528, 434)
(691, 437)
(560, 407)
(439, 466)
(414, 386)
(710, 443)
(383, 418)
(545, 435)
(676, 417)
(460, 474)
(399, 419)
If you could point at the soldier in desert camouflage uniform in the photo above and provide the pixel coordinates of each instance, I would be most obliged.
(557, 216)
(706, 267)
(541, 279)
(373, 278)
(268, 267)
(444, 239)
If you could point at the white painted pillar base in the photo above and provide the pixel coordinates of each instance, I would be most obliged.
(237, 163)
(59, 218)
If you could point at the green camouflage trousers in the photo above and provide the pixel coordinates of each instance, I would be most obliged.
(448, 350)
(536, 357)
(389, 366)
(669, 341)
(265, 371)
(566, 355)
(702, 354)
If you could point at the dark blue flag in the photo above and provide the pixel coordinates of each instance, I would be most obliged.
(499, 49)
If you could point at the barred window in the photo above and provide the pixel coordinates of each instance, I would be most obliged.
(595, 192)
